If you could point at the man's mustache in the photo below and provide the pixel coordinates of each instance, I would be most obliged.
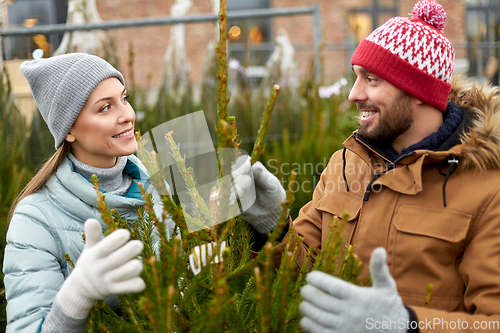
(366, 106)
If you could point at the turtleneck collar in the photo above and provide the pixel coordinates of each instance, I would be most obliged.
(112, 180)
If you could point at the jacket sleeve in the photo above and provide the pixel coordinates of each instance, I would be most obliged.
(58, 321)
(480, 270)
(32, 268)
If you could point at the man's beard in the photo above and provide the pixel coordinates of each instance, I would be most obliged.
(391, 123)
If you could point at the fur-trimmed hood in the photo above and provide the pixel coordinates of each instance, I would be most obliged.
(480, 142)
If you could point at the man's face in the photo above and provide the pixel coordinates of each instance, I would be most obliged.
(386, 111)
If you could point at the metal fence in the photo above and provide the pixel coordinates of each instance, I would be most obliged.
(313, 10)
(477, 52)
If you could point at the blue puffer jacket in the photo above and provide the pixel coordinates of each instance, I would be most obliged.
(45, 226)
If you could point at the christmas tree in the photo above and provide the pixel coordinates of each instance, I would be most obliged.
(210, 280)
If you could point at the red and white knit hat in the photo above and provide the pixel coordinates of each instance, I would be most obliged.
(412, 54)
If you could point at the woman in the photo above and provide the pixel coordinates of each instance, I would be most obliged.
(83, 100)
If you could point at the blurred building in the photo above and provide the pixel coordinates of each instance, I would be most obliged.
(473, 27)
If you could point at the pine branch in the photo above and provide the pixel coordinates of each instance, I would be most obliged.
(259, 297)
(234, 132)
(187, 175)
(286, 206)
(102, 206)
(428, 295)
(266, 120)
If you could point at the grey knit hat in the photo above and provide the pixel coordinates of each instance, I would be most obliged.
(62, 84)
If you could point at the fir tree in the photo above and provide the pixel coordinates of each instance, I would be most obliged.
(243, 292)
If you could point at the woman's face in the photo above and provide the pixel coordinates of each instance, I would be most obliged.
(104, 129)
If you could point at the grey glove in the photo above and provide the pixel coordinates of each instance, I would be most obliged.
(260, 194)
(333, 305)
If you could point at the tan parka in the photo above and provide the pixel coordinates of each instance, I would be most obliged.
(436, 229)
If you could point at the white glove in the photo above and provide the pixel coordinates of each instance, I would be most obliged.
(332, 305)
(260, 194)
(106, 267)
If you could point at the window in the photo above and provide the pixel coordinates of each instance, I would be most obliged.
(363, 20)
(250, 41)
(29, 13)
(483, 36)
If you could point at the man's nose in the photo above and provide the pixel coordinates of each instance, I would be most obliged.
(357, 93)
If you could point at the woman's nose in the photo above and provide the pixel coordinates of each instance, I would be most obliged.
(127, 113)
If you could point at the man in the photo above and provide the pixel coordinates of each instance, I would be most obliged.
(424, 200)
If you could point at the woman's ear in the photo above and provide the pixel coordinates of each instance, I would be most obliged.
(70, 138)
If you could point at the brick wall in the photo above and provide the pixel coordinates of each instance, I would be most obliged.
(150, 43)
(336, 29)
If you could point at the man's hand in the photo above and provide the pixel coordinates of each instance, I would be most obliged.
(262, 207)
(106, 267)
(333, 305)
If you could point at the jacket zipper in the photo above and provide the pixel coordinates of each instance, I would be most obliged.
(388, 165)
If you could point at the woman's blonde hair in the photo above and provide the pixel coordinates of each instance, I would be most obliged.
(42, 175)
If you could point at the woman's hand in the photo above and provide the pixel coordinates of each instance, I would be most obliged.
(106, 267)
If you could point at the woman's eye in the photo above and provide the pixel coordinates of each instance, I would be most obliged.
(125, 99)
(106, 107)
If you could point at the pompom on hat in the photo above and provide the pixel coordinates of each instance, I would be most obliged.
(61, 86)
(412, 54)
